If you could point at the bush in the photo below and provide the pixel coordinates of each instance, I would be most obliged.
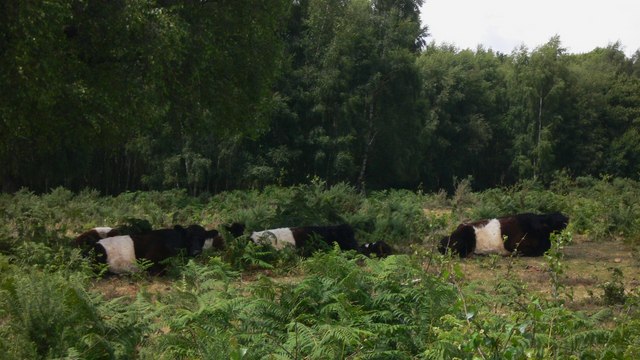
(614, 289)
(395, 216)
(48, 315)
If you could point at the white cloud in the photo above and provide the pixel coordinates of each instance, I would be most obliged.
(503, 25)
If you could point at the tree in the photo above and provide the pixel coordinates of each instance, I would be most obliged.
(602, 105)
(348, 96)
(102, 93)
(368, 89)
(33, 67)
(463, 124)
(537, 84)
(545, 79)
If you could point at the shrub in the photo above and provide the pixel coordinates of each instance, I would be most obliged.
(48, 315)
(614, 289)
(330, 305)
(395, 216)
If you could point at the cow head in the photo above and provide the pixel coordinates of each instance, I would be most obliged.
(445, 243)
(462, 241)
(379, 248)
(216, 240)
(555, 222)
(235, 229)
(195, 237)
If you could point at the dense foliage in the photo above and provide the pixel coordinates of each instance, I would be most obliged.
(248, 302)
(217, 95)
(302, 104)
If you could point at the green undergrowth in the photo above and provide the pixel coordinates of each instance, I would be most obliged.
(337, 306)
(250, 302)
(598, 208)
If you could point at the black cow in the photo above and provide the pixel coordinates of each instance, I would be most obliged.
(300, 237)
(379, 248)
(121, 253)
(523, 234)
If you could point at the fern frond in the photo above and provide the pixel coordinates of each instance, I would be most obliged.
(586, 339)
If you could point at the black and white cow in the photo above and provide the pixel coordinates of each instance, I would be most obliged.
(298, 236)
(343, 235)
(121, 253)
(234, 230)
(523, 234)
(88, 239)
(379, 248)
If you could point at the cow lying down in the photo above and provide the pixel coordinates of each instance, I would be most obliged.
(379, 249)
(88, 239)
(299, 236)
(522, 234)
(121, 253)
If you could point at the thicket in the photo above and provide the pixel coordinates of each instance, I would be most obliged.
(220, 95)
(247, 302)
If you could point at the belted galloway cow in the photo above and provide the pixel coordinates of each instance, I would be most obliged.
(522, 234)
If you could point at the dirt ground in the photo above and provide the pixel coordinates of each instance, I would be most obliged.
(587, 266)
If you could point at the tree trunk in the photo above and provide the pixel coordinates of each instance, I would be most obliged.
(367, 149)
(536, 162)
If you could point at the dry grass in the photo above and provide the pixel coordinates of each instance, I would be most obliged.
(587, 266)
(114, 286)
(124, 286)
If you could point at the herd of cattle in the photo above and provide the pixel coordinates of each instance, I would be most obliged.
(120, 248)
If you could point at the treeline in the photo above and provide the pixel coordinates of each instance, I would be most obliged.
(215, 95)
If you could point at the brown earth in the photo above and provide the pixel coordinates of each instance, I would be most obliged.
(115, 286)
(587, 266)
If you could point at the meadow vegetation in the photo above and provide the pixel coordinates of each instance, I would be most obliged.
(248, 302)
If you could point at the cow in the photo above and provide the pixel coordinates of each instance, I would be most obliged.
(235, 229)
(213, 240)
(121, 253)
(379, 248)
(522, 234)
(301, 237)
(88, 239)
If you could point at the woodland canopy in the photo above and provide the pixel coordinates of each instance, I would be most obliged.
(217, 95)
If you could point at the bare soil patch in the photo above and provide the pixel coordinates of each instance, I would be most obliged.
(125, 286)
(115, 286)
(588, 265)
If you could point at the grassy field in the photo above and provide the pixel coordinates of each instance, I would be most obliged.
(578, 301)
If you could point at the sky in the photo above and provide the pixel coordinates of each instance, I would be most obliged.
(503, 25)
